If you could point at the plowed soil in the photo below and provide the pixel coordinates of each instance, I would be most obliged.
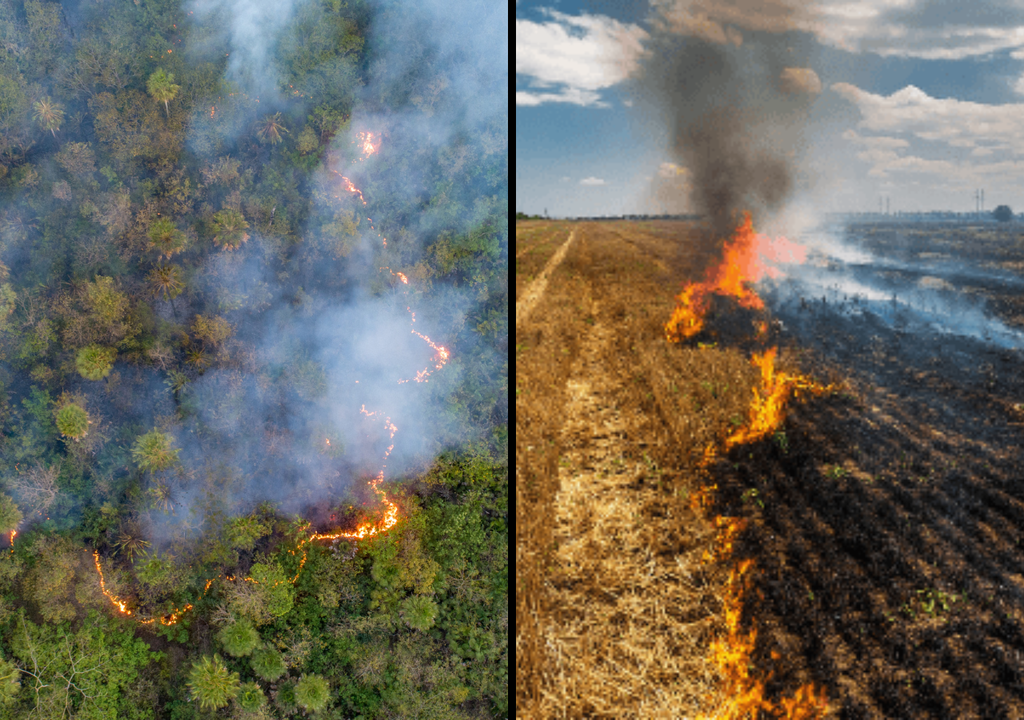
(885, 522)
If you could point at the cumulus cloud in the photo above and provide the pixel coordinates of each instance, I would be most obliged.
(570, 58)
(592, 181)
(957, 123)
(952, 127)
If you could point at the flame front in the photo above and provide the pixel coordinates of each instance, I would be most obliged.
(742, 264)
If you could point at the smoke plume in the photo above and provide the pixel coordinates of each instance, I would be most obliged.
(733, 107)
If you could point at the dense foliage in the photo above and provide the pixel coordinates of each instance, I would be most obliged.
(213, 247)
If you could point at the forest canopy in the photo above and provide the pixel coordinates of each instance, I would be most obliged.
(253, 359)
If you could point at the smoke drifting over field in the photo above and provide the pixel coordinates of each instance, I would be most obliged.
(733, 107)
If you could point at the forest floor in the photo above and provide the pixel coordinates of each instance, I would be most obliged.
(884, 520)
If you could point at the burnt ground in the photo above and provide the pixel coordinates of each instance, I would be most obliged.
(887, 527)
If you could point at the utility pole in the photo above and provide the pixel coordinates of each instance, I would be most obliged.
(983, 200)
(886, 204)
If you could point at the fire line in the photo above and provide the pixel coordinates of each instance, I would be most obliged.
(364, 530)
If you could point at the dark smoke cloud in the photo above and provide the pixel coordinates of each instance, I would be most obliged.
(733, 106)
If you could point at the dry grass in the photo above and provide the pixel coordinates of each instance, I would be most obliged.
(615, 608)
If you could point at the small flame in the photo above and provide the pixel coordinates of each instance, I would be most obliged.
(366, 141)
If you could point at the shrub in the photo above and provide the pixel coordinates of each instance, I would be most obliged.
(239, 638)
(73, 421)
(211, 684)
(94, 362)
(312, 692)
(267, 663)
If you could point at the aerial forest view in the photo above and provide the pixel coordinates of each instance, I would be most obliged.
(253, 359)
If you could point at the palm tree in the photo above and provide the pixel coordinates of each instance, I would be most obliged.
(312, 692)
(131, 541)
(211, 683)
(270, 129)
(49, 114)
(153, 451)
(161, 86)
(229, 229)
(166, 279)
(166, 237)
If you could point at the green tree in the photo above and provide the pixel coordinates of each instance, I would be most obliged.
(239, 638)
(10, 682)
(267, 663)
(94, 362)
(1003, 213)
(153, 452)
(161, 86)
(89, 674)
(72, 421)
(165, 279)
(211, 683)
(276, 588)
(229, 229)
(50, 583)
(48, 114)
(419, 612)
(270, 129)
(312, 692)
(10, 515)
(213, 330)
(166, 238)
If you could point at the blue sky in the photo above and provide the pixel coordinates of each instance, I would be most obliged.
(920, 101)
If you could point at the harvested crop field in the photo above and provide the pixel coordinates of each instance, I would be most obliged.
(871, 547)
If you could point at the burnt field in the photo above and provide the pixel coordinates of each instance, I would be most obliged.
(883, 519)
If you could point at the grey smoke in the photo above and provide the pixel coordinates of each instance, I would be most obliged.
(734, 115)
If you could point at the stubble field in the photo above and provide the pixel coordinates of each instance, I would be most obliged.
(883, 521)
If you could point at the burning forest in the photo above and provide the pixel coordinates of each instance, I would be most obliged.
(253, 360)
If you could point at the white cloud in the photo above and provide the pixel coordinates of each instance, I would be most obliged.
(581, 54)
(952, 125)
(592, 182)
(566, 95)
(929, 29)
(957, 123)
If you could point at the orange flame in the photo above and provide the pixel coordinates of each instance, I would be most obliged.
(767, 410)
(741, 265)
(366, 141)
